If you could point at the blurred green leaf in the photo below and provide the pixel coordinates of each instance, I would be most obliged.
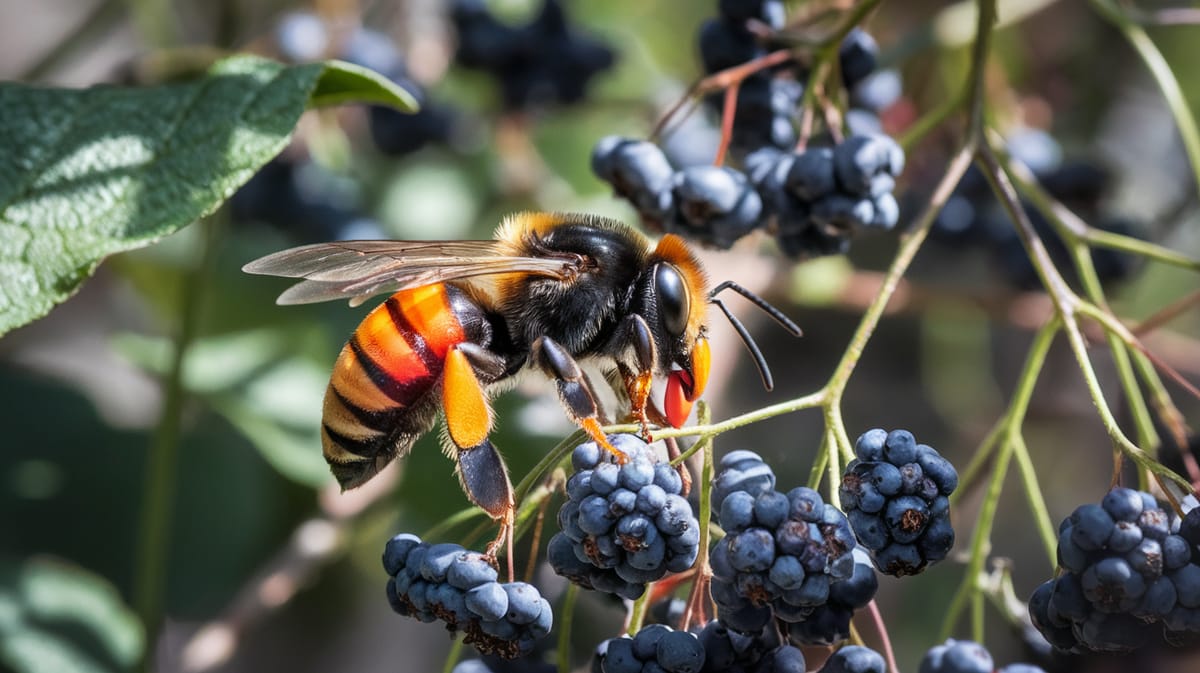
(213, 364)
(294, 452)
(274, 399)
(85, 173)
(57, 617)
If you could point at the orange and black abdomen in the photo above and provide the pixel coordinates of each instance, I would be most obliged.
(379, 397)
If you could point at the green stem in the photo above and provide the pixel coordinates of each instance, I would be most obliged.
(976, 80)
(1070, 226)
(1009, 426)
(931, 120)
(979, 462)
(638, 616)
(909, 246)
(833, 465)
(553, 457)
(566, 616)
(977, 616)
(452, 657)
(1036, 501)
(805, 402)
(158, 485)
(818, 466)
(981, 541)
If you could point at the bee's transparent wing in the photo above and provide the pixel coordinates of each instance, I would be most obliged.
(356, 270)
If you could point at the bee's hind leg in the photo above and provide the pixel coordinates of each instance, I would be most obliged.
(481, 469)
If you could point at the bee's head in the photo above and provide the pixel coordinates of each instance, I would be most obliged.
(672, 297)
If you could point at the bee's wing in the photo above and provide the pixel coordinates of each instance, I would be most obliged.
(355, 270)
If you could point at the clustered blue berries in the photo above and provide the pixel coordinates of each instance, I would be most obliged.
(1131, 577)
(623, 525)
(655, 648)
(821, 196)
(779, 556)
(715, 205)
(965, 656)
(896, 495)
(829, 624)
(448, 583)
(813, 200)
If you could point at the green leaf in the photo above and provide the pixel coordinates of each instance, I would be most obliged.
(58, 617)
(343, 82)
(85, 173)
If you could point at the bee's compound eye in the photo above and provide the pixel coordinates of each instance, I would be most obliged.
(673, 300)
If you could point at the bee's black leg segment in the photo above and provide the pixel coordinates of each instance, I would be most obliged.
(574, 388)
(633, 336)
(643, 341)
(488, 366)
(485, 479)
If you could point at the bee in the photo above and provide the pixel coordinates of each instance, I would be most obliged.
(549, 291)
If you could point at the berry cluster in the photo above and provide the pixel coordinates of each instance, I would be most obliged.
(820, 197)
(654, 648)
(854, 659)
(779, 556)
(814, 200)
(1131, 576)
(714, 205)
(623, 525)
(965, 656)
(829, 624)
(448, 583)
(542, 62)
(896, 495)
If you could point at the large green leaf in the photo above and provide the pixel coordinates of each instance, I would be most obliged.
(85, 173)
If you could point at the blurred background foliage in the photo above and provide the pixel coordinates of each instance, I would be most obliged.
(268, 568)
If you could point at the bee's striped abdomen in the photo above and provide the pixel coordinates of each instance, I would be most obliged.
(381, 380)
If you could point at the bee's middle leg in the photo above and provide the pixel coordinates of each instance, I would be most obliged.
(574, 390)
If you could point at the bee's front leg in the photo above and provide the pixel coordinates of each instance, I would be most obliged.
(574, 389)
(633, 338)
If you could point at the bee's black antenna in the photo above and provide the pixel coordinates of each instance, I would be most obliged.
(760, 362)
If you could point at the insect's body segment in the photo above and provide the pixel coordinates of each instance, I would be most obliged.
(613, 298)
